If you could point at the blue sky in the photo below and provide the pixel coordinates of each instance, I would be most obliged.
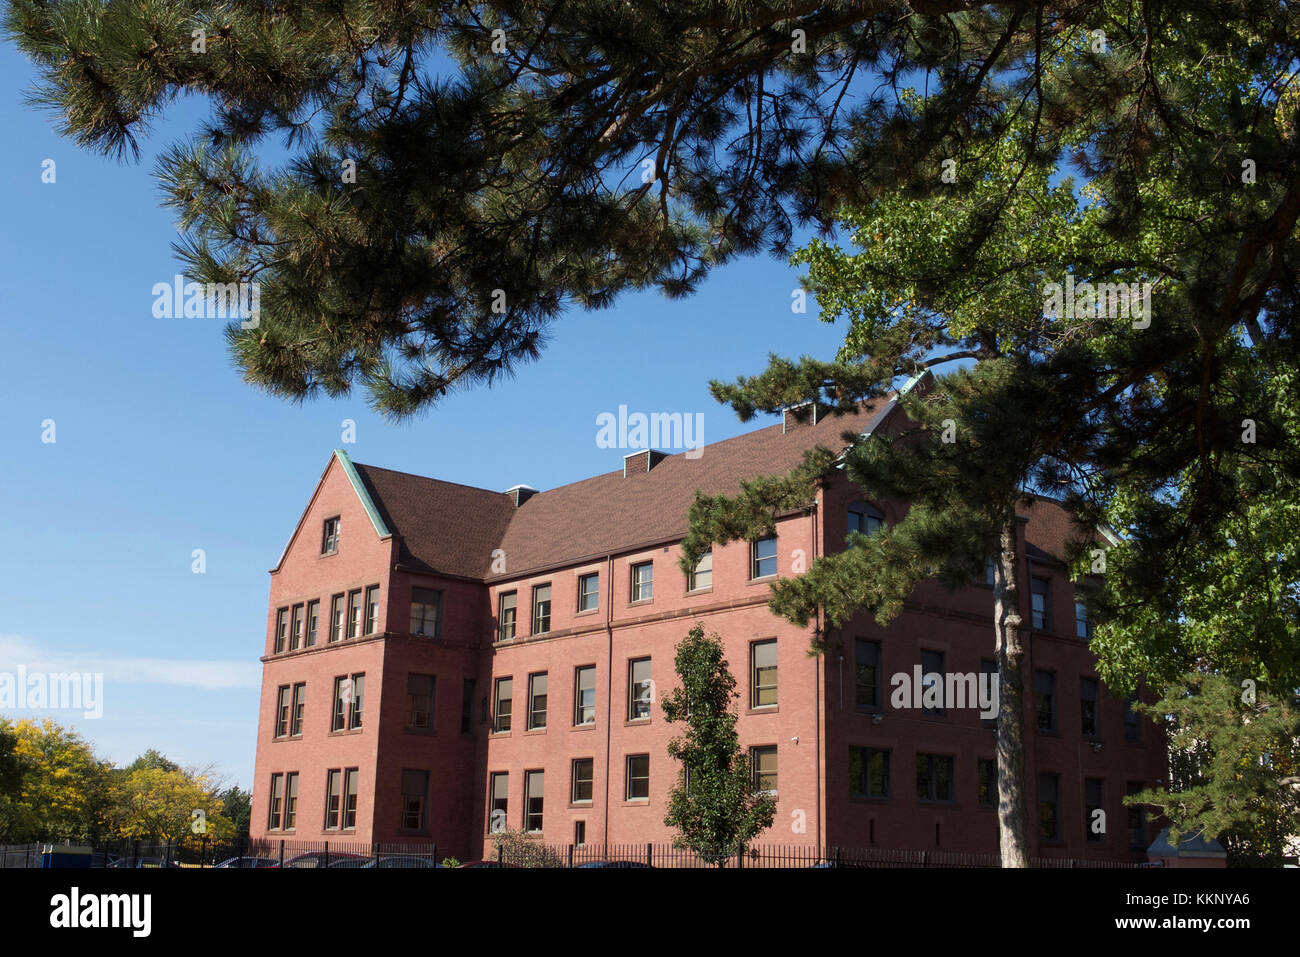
(161, 449)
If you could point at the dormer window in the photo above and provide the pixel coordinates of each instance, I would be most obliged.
(330, 537)
(865, 518)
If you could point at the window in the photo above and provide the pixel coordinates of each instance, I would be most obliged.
(290, 800)
(1082, 621)
(1131, 725)
(934, 777)
(932, 677)
(333, 799)
(702, 577)
(426, 608)
(864, 518)
(638, 689)
(1038, 595)
(354, 613)
(638, 777)
(313, 622)
(1045, 692)
(296, 634)
(987, 769)
(867, 666)
(372, 609)
(506, 616)
(299, 706)
(868, 772)
(277, 802)
(419, 698)
(533, 788)
(588, 592)
(643, 581)
(352, 781)
(1137, 818)
(763, 674)
(349, 695)
(537, 701)
(579, 833)
(1094, 824)
(584, 695)
(1048, 806)
(498, 802)
(762, 761)
(466, 704)
(329, 542)
(763, 558)
(282, 711)
(583, 773)
(281, 629)
(990, 667)
(1088, 706)
(504, 698)
(336, 618)
(415, 791)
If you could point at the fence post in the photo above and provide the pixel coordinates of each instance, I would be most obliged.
(501, 850)
(649, 855)
(135, 854)
(327, 853)
(203, 853)
(282, 852)
(740, 854)
(570, 857)
(839, 856)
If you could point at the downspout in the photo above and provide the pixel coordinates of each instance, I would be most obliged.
(609, 679)
(821, 706)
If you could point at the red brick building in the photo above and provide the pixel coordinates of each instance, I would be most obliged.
(436, 653)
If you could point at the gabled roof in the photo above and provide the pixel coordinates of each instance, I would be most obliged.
(450, 529)
(453, 529)
(367, 502)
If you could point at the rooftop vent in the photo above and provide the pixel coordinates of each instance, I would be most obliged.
(521, 493)
(643, 461)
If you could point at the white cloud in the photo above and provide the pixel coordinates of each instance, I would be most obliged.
(16, 650)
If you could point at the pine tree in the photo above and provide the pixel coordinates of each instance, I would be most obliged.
(459, 174)
(714, 805)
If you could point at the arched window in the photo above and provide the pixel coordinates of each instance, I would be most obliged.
(865, 518)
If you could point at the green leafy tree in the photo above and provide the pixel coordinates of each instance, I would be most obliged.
(63, 790)
(458, 174)
(152, 760)
(714, 806)
(1235, 766)
(237, 808)
(156, 804)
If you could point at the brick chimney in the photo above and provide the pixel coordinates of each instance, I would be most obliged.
(642, 461)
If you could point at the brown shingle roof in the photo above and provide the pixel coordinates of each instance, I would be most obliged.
(453, 529)
(444, 527)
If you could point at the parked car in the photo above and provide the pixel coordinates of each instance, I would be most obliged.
(487, 864)
(349, 862)
(841, 864)
(617, 864)
(323, 859)
(142, 862)
(403, 860)
(249, 862)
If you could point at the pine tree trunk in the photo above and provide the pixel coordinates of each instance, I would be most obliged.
(1012, 834)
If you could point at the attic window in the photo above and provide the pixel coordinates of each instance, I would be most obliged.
(330, 537)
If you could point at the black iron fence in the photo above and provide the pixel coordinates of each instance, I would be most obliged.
(203, 853)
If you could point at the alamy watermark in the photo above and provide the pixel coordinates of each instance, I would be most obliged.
(45, 691)
(213, 300)
(1103, 300)
(933, 690)
(657, 430)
